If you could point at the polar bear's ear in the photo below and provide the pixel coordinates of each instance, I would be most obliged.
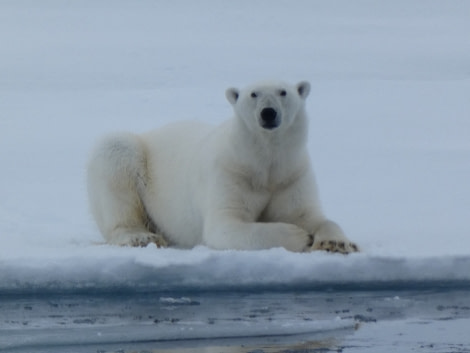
(303, 88)
(232, 95)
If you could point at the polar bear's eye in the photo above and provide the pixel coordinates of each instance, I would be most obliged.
(282, 93)
(253, 95)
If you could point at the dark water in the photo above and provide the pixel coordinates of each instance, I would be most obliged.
(420, 320)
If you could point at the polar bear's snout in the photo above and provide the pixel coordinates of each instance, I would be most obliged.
(269, 118)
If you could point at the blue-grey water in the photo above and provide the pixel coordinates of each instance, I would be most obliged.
(427, 318)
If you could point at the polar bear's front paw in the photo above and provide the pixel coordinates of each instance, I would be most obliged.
(144, 239)
(329, 237)
(342, 246)
(124, 236)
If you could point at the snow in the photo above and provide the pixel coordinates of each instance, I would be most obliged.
(103, 269)
(390, 131)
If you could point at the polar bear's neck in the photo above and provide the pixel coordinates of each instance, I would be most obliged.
(269, 158)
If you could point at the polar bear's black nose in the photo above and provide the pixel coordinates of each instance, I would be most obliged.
(268, 114)
(269, 118)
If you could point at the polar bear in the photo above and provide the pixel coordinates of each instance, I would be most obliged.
(246, 184)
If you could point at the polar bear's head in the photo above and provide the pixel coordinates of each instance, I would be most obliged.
(270, 105)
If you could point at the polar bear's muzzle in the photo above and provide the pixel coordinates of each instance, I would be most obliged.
(269, 118)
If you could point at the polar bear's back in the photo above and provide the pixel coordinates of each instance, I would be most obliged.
(179, 147)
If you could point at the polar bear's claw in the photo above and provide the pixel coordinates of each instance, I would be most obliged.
(311, 240)
(354, 247)
(333, 246)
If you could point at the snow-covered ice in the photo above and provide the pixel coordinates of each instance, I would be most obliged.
(389, 133)
(104, 269)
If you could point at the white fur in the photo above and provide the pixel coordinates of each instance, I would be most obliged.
(235, 186)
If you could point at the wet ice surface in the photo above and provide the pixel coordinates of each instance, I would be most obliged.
(323, 321)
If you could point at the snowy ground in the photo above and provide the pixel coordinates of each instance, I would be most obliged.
(390, 128)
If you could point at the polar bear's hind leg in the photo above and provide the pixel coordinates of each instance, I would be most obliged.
(117, 176)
